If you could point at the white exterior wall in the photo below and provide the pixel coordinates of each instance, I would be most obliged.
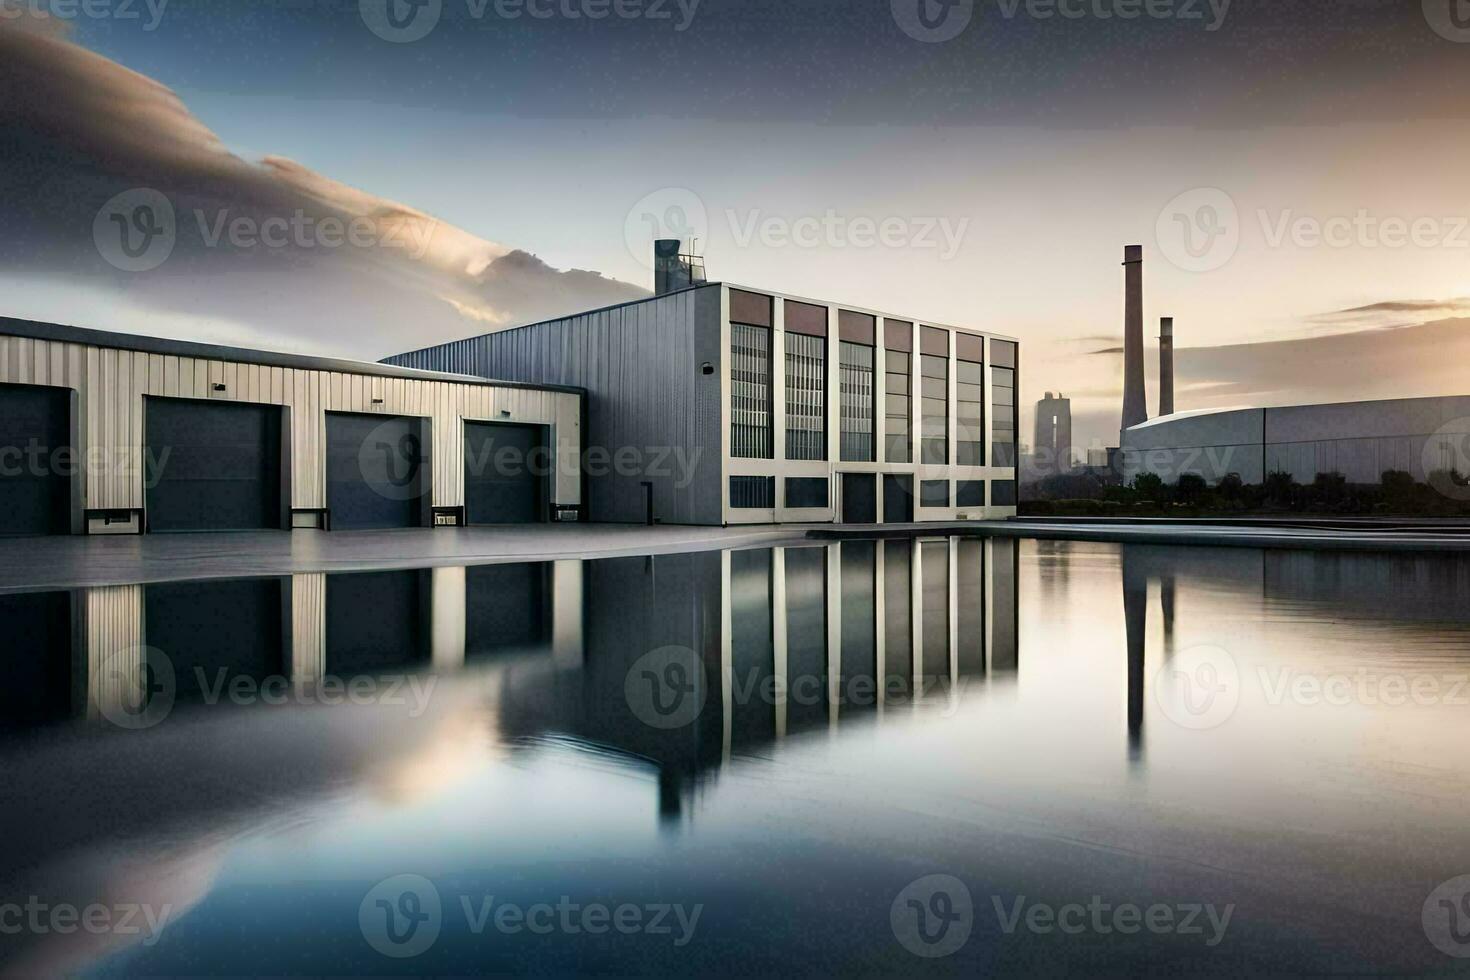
(832, 466)
(1357, 439)
(111, 384)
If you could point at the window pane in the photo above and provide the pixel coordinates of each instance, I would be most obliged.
(806, 492)
(970, 493)
(751, 492)
(806, 396)
(856, 383)
(934, 493)
(750, 391)
(970, 372)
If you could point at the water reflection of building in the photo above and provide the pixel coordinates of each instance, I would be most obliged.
(846, 627)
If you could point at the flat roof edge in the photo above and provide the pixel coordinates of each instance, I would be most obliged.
(63, 333)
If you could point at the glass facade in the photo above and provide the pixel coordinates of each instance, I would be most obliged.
(1002, 416)
(750, 392)
(897, 378)
(806, 396)
(934, 434)
(857, 402)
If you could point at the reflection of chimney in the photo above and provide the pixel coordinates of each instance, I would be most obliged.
(1166, 365)
(1135, 400)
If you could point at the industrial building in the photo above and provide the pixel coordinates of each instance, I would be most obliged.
(716, 404)
(110, 433)
(1360, 440)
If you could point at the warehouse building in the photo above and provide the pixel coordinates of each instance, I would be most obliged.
(110, 433)
(717, 404)
(1360, 440)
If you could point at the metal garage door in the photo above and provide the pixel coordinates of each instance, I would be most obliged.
(377, 471)
(216, 631)
(35, 483)
(212, 466)
(507, 470)
(377, 621)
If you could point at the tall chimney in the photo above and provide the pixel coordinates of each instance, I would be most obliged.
(1166, 365)
(1135, 399)
(669, 271)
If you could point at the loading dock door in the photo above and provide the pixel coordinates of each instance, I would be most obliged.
(212, 466)
(859, 498)
(377, 471)
(35, 484)
(506, 473)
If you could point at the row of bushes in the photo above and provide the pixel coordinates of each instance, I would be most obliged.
(1446, 494)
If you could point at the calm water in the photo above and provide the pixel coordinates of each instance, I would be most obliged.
(992, 757)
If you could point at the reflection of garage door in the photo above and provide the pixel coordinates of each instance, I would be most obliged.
(376, 621)
(507, 472)
(377, 472)
(216, 631)
(35, 658)
(507, 608)
(212, 466)
(35, 491)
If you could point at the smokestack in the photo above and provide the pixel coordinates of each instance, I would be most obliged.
(1135, 399)
(669, 273)
(1166, 365)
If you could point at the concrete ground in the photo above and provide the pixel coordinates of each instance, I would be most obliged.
(33, 564)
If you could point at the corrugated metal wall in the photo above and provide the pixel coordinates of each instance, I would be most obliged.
(111, 384)
(114, 637)
(653, 415)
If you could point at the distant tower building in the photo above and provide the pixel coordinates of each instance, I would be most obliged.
(1135, 400)
(1053, 443)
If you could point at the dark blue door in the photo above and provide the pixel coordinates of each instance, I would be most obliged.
(35, 460)
(507, 473)
(212, 466)
(377, 472)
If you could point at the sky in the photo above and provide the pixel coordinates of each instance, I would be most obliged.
(1294, 171)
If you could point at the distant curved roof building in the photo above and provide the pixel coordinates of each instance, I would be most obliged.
(1360, 440)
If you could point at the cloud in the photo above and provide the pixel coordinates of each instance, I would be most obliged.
(1390, 314)
(292, 256)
